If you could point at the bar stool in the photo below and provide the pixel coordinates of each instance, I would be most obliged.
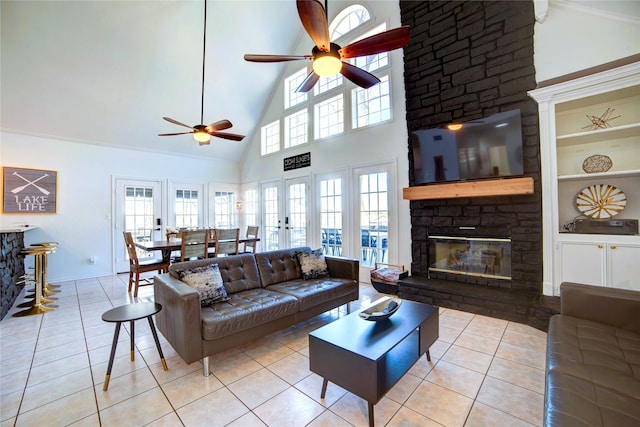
(49, 289)
(40, 304)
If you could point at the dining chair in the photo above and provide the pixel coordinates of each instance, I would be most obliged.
(250, 247)
(195, 244)
(227, 241)
(137, 266)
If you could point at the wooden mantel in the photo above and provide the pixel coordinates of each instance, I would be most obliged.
(491, 187)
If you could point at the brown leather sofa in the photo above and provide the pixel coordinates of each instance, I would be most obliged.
(593, 358)
(267, 293)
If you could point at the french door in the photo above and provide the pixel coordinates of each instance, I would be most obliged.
(374, 233)
(296, 213)
(272, 224)
(332, 216)
(138, 209)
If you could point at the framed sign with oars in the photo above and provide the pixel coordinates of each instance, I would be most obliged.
(29, 190)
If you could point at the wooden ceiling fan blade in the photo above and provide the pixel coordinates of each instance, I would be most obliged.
(382, 42)
(308, 83)
(173, 134)
(274, 58)
(175, 122)
(359, 76)
(314, 20)
(219, 125)
(226, 135)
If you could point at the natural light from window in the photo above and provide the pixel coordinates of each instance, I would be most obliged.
(291, 83)
(348, 19)
(270, 138)
(328, 117)
(295, 129)
(371, 106)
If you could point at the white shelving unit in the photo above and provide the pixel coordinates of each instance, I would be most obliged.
(567, 138)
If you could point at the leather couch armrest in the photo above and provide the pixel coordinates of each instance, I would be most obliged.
(615, 307)
(343, 268)
(180, 319)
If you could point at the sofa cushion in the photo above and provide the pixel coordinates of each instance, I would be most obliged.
(239, 272)
(245, 310)
(314, 292)
(279, 266)
(207, 281)
(312, 264)
(593, 374)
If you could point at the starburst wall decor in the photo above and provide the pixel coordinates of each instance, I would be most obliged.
(601, 122)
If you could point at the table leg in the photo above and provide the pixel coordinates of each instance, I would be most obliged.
(132, 339)
(155, 337)
(324, 387)
(166, 255)
(370, 414)
(428, 356)
(113, 353)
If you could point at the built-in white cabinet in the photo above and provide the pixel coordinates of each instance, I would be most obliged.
(600, 260)
(591, 122)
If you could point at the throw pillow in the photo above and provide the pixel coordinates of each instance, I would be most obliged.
(313, 264)
(207, 281)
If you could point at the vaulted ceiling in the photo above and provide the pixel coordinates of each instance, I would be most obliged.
(106, 72)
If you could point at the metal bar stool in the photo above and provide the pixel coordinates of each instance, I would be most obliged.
(49, 289)
(39, 305)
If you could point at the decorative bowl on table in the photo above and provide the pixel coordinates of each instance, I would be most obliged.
(383, 309)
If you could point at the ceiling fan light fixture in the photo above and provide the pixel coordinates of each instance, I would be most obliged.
(327, 65)
(201, 136)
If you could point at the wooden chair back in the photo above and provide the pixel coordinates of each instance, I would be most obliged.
(136, 266)
(227, 241)
(195, 244)
(131, 248)
(252, 233)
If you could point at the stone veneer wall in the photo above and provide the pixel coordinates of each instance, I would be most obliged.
(468, 60)
(11, 268)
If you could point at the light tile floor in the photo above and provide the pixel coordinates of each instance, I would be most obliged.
(483, 372)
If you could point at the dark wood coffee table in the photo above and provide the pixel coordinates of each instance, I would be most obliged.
(368, 358)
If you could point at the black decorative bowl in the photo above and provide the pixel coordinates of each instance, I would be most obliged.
(383, 309)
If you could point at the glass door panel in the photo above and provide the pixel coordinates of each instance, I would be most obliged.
(331, 212)
(271, 216)
(296, 215)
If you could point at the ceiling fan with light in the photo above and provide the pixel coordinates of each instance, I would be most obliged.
(327, 57)
(203, 133)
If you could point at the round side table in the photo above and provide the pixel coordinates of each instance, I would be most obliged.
(130, 313)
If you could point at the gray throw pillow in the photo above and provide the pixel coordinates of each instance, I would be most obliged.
(313, 264)
(208, 282)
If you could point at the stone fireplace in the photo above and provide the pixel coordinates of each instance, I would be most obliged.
(468, 60)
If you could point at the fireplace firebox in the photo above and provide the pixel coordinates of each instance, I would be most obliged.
(470, 256)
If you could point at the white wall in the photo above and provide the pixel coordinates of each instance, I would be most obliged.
(376, 144)
(575, 35)
(83, 222)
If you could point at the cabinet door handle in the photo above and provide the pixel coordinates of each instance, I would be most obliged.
(613, 246)
(600, 246)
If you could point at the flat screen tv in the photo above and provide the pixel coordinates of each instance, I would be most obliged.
(484, 148)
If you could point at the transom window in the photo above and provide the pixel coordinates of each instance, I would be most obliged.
(270, 138)
(327, 83)
(291, 83)
(328, 117)
(295, 128)
(371, 105)
(350, 18)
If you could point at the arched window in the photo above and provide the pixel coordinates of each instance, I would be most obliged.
(350, 18)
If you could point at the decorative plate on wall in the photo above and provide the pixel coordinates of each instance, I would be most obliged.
(601, 201)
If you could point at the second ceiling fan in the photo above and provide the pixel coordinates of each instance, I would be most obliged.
(203, 133)
(327, 57)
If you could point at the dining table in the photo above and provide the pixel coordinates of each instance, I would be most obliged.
(167, 246)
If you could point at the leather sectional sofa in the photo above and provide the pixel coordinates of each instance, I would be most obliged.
(266, 291)
(593, 358)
